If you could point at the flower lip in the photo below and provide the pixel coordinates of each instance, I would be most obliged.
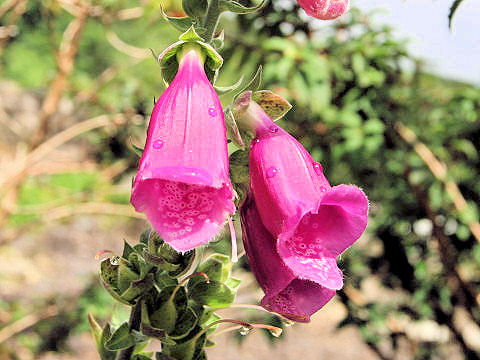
(285, 293)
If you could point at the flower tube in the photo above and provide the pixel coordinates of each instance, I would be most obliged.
(182, 184)
(324, 9)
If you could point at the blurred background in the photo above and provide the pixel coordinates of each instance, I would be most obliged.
(385, 100)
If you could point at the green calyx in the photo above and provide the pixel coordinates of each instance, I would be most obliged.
(169, 59)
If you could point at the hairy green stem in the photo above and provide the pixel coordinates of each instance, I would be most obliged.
(211, 20)
(134, 324)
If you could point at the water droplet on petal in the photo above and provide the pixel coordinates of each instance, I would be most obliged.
(272, 172)
(212, 111)
(157, 144)
(318, 168)
(323, 188)
(273, 129)
(254, 142)
(114, 260)
(244, 331)
(276, 332)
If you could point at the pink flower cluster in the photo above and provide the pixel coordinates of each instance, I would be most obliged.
(294, 223)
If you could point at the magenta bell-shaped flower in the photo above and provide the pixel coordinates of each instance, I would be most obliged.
(324, 9)
(183, 184)
(312, 222)
(285, 292)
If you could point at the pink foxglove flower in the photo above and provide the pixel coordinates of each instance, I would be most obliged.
(324, 9)
(183, 183)
(312, 222)
(285, 292)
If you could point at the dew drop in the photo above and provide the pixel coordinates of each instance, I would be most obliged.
(114, 260)
(254, 142)
(212, 111)
(276, 333)
(157, 144)
(272, 172)
(323, 188)
(318, 168)
(287, 323)
(273, 129)
(244, 331)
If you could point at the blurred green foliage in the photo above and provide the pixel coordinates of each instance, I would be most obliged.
(350, 83)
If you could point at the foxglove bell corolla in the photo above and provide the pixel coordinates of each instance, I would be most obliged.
(312, 223)
(182, 183)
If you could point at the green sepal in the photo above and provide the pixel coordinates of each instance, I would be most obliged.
(169, 62)
(233, 132)
(214, 294)
(120, 339)
(236, 7)
(101, 335)
(203, 354)
(190, 35)
(254, 84)
(274, 105)
(222, 90)
(180, 23)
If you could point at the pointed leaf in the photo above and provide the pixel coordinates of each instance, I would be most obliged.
(120, 339)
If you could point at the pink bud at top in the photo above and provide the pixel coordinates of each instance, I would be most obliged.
(324, 9)
(182, 183)
(312, 222)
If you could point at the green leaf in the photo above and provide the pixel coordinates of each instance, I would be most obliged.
(120, 339)
(236, 7)
(125, 275)
(185, 323)
(233, 283)
(180, 23)
(274, 105)
(188, 350)
(137, 288)
(214, 294)
(453, 10)
(100, 335)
